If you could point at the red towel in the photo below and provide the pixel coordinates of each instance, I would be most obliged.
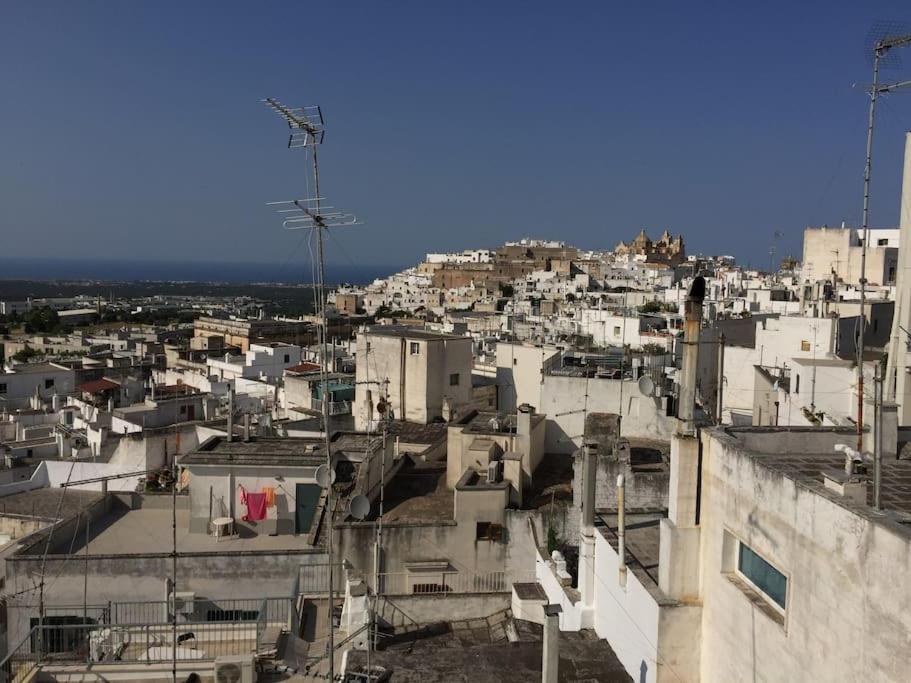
(256, 507)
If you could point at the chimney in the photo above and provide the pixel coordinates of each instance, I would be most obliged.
(550, 664)
(230, 413)
(686, 408)
(587, 546)
(621, 527)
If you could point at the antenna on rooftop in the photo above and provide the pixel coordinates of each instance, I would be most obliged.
(882, 40)
(308, 132)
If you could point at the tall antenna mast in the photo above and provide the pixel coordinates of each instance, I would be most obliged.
(887, 39)
(307, 132)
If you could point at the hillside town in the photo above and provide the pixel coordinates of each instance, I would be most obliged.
(633, 463)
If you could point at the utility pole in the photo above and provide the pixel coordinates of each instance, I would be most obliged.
(878, 440)
(720, 407)
(309, 213)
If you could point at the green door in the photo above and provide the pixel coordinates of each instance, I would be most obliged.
(306, 498)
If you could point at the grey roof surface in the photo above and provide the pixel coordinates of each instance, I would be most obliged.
(259, 451)
(405, 332)
(279, 451)
(43, 503)
(479, 651)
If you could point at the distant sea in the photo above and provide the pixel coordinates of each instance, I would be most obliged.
(176, 271)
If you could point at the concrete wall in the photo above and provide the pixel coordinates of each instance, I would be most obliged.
(220, 485)
(405, 542)
(520, 374)
(418, 382)
(848, 614)
(565, 403)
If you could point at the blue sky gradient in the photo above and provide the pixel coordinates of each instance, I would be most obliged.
(135, 130)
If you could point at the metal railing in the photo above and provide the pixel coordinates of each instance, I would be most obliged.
(199, 610)
(128, 643)
(335, 407)
(436, 583)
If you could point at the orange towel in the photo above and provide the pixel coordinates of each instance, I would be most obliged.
(270, 496)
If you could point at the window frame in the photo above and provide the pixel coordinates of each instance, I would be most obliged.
(414, 348)
(768, 599)
(457, 377)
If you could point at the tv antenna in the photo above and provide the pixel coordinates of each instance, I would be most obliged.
(882, 40)
(308, 132)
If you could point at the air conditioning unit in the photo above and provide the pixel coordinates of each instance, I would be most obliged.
(182, 602)
(234, 669)
(493, 472)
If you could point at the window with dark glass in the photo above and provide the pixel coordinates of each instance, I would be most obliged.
(762, 575)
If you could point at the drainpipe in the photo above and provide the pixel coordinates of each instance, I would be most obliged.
(230, 413)
(587, 545)
(691, 330)
(621, 527)
(550, 664)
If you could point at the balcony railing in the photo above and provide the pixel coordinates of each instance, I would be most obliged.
(335, 407)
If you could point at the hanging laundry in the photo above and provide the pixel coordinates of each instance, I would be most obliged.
(269, 493)
(243, 494)
(256, 507)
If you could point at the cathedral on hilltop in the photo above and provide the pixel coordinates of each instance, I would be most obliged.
(667, 249)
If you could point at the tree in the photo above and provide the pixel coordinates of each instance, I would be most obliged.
(43, 319)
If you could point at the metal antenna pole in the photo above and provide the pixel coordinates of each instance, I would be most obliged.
(880, 48)
(306, 124)
(865, 227)
(174, 570)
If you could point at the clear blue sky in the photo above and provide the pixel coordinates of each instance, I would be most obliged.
(135, 130)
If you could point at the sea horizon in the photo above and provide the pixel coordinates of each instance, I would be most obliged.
(120, 270)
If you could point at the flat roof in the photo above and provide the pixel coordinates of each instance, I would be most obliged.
(43, 503)
(148, 531)
(405, 332)
(38, 367)
(280, 451)
(479, 650)
(805, 462)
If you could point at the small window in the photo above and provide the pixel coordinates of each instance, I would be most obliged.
(804, 345)
(882, 242)
(454, 379)
(488, 531)
(414, 348)
(287, 358)
(183, 410)
(797, 385)
(2, 388)
(772, 583)
(48, 383)
(616, 330)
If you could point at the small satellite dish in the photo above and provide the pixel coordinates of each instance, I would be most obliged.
(646, 386)
(359, 507)
(324, 476)
(381, 407)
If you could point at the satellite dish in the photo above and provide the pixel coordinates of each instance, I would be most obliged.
(324, 476)
(646, 386)
(359, 507)
(381, 407)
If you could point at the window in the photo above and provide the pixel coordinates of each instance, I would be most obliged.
(882, 242)
(488, 531)
(804, 345)
(616, 330)
(2, 388)
(772, 583)
(454, 379)
(797, 385)
(183, 410)
(287, 358)
(414, 348)
(48, 383)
